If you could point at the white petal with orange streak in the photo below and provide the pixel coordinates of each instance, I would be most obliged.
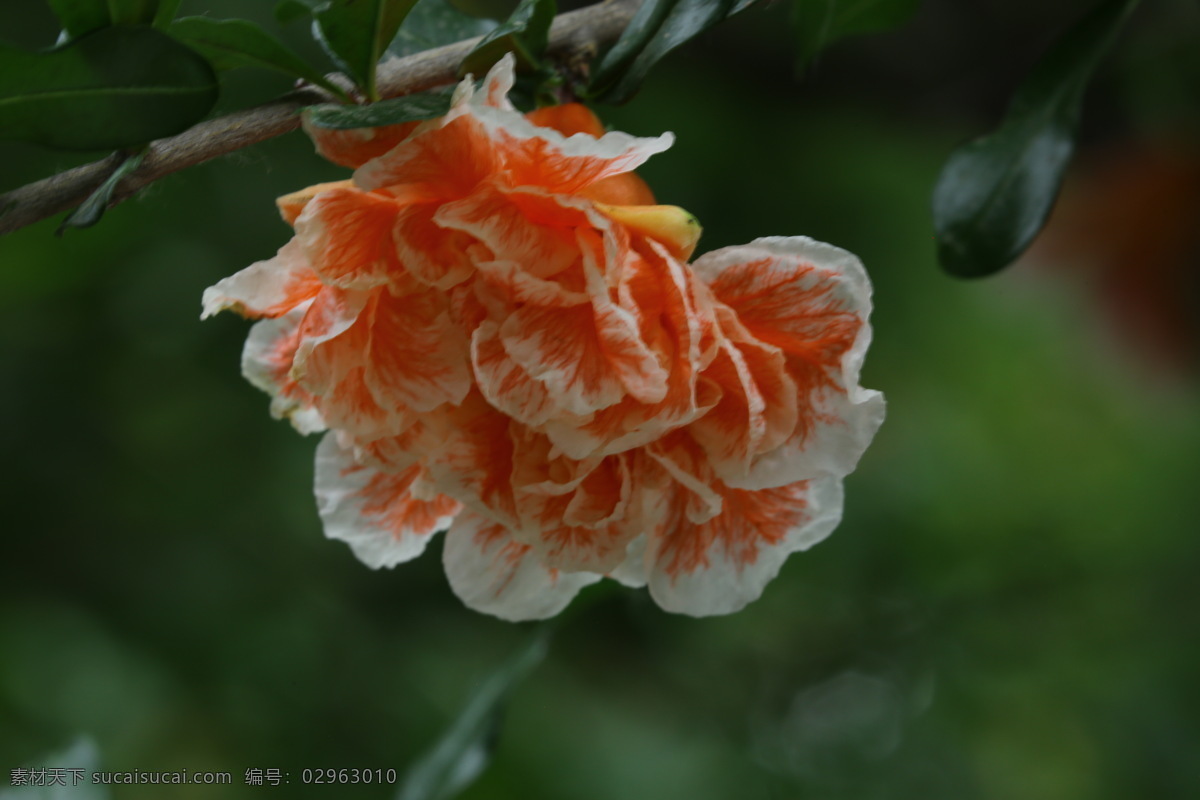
(490, 216)
(267, 363)
(443, 159)
(418, 358)
(543, 157)
(799, 294)
(350, 406)
(331, 343)
(474, 463)
(347, 235)
(269, 288)
(432, 254)
(504, 384)
(561, 348)
(734, 555)
(493, 573)
(373, 511)
(632, 571)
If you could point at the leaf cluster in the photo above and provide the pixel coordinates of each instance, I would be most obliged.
(126, 72)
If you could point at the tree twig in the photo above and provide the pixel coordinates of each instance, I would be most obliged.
(572, 33)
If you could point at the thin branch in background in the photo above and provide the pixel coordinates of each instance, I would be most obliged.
(573, 34)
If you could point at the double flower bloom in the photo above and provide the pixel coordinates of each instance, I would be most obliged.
(503, 338)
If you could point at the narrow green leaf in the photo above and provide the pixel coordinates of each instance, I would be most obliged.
(409, 108)
(81, 16)
(658, 28)
(995, 193)
(232, 43)
(113, 88)
(132, 12)
(434, 23)
(356, 33)
(820, 23)
(525, 33)
(91, 210)
(166, 12)
(466, 748)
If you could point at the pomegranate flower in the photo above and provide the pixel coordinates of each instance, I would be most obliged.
(505, 341)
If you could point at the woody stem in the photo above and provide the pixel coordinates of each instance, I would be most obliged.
(584, 30)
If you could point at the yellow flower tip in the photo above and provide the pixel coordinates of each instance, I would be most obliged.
(672, 226)
(291, 205)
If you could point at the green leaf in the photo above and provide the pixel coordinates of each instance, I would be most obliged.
(91, 210)
(232, 43)
(658, 28)
(525, 33)
(995, 193)
(434, 23)
(356, 33)
(466, 748)
(291, 10)
(81, 16)
(409, 108)
(820, 23)
(166, 12)
(132, 12)
(113, 88)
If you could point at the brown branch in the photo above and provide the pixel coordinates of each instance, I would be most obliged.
(572, 34)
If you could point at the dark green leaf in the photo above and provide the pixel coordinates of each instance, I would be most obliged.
(466, 748)
(166, 13)
(132, 12)
(232, 43)
(386, 112)
(291, 10)
(356, 33)
(525, 33)
(114, 88)
(433, 23)
(81, 16)
(92, 209)
(658, 28)
(995, 193)
(820, 23)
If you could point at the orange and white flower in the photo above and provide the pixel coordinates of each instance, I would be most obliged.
(502, 335)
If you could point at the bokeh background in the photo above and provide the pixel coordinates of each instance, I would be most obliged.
(1009, 610)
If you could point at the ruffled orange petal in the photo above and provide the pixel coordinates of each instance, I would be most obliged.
(376, 513)
(269, 288)
(347, 235)
(438, 162)
(356, 146)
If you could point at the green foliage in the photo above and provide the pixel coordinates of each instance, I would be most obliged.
(292, 10)
(658, 28)
(820, 23)
(115, 87)
(409, 108)
(433, 23)
(84, 16)
(91, 210)
(166, 12)
(133, 12)
(466, 748)
(356, 34)
(995, 193)
(81, 16)
(232, 43)
(525, 33)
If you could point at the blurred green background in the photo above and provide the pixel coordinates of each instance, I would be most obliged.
(1009, 610)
